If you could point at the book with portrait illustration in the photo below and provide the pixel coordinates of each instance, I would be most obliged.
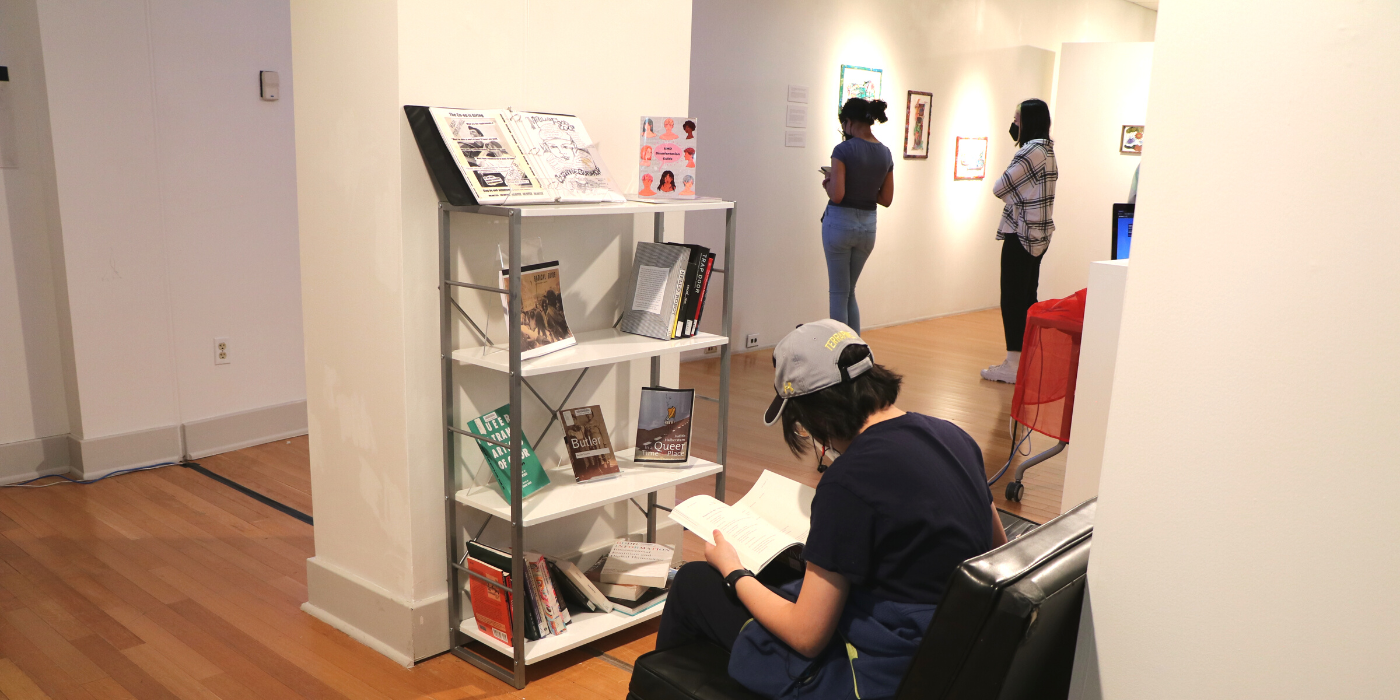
(586, 440)
(543, 327)
(501, 156)
(663, 426)
(667, 158)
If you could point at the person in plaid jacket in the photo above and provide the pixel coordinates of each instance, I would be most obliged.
(1027, 222)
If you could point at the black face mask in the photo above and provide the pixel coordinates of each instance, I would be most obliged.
(1015, 132)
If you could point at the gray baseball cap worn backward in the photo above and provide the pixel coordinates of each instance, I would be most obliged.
(808, 360)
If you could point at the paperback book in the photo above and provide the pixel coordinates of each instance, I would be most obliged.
(496, 564)
(494, 156)
(586, 440)
(772, 518)
(653, 296)
(543, 327)
(697, 268)
(667, 169)
(638, 563)
(663, 425)
(496, 425)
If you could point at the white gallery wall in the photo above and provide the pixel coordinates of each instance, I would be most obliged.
(369, 247)
(1101, 87)
(163, 188)
(1244, 538)
(935, 251)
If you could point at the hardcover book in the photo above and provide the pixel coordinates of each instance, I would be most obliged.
(586, 440)
(772, 518)
(583, 584)
(496, 425)
(653, 294)
(490, 605)
(695, 269)
(499, 560)
(613, 591)
(543, 327)
(663, 425)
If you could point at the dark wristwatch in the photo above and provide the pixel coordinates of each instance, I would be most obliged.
(732, 579)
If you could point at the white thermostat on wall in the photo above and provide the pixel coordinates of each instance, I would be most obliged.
(270, 89)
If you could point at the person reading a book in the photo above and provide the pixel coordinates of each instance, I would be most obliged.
(904, 503)
(861, 176)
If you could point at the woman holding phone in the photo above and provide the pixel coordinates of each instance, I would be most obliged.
(861, 175)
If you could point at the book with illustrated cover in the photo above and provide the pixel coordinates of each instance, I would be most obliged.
(667, 158)
(543, 587)
(586, 440)
(495, 156)
(500, 561)
(490, 605)
(543, 327)
(772, 518)
(653, 293)
(496, 425)
(663, 425)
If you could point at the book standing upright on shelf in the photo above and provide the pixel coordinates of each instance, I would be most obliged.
(496, 425)
(696, 267)
(667, 158)
(543, 327)
(663, 425)
(653, 294)
(491, 560)
(586, 440)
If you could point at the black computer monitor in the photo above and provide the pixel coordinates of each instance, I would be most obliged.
(1122, 230)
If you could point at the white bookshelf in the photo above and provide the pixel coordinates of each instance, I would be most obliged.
(563, 496)
(592, 348)
(585, 628)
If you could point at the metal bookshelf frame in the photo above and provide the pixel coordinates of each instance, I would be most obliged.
(456, 546)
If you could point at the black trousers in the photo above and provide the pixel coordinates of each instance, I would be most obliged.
(700, 606)
(1020, 279)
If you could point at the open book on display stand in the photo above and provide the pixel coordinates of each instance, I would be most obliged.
(772, 518)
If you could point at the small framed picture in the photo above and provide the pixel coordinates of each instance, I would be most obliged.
(1131, 142)
(857, 81)
(916, 113)
(970, 158)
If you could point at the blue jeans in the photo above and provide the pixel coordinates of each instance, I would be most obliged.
(848, 236)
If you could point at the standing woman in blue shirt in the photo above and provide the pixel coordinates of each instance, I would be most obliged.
(861, 176)
(1027, 221)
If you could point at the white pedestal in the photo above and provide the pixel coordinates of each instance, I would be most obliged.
(1103, 314)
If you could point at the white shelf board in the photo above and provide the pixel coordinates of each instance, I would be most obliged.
(564, 496)
(585, 628)
(595, 208)
(593, 348)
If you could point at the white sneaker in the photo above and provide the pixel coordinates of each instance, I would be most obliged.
(1004, 372)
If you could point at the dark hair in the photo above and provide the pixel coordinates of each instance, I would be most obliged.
(863, 111)
(688, 125)
(1035, 121)
(667, 175)
(838, 412)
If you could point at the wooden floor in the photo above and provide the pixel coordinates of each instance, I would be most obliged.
(167, 584)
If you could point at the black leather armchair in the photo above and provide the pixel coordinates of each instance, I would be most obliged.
(1006, 628)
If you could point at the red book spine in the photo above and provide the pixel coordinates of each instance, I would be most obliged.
(704, 287)
(490, 605)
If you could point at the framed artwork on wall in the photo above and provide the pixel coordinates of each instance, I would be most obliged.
(859, 82)
(970, 158)
(916, 124)
(1131, 141)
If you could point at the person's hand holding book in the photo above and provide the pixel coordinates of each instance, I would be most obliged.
(722, 555)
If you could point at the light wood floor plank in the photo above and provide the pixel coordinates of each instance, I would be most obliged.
(16, 685)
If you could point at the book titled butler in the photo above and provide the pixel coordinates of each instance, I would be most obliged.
(586, 438)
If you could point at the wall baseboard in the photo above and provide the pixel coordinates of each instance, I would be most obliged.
(405, 631)
(30, 459)
(236, 431)
(98, 457)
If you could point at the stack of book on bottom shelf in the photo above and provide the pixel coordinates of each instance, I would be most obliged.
(556, 590)
(635, 576)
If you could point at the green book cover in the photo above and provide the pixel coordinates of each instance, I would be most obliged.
(496, 425)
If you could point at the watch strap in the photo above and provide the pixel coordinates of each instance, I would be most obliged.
(732, 579)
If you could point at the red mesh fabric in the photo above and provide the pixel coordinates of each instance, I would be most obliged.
(1044, 398)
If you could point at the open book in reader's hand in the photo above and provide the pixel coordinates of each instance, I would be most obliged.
(772, 518)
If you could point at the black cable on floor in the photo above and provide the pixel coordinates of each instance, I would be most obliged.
(250, 493)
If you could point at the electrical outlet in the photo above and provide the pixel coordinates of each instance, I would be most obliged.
(751, 340)
(712, 350)
(221, 353)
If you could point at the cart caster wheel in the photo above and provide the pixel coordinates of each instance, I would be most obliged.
(1014, 491)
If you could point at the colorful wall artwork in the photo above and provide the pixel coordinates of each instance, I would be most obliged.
(916, 113)
(1131, 141)
(859, 82)
(970, 158)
